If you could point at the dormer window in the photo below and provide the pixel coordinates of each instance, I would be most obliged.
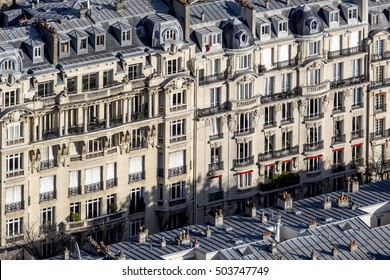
(216, 39)
(126, 36)
(313, 48)
(352, 13)
(65, 47)
(83, 44)
(100, 41)
(170, 35)
(282, 26)
(334, 17)
(313, 25)
(37, 52)
(8, 65)
(374, 19)
(265, 30)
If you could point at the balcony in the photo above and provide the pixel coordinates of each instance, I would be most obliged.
(216, 136)
(15, 141)
(14, 239)
(377, 135)
(340, 138)
(277, 181)
(313, 146)
(381, 56)
(177, 202)
(338, 110)
(15, 206)
(113, 182)
(313, 174)
(216, 196)
(313, 117)
(243, 132)
(380, 108)
(137, 144)
(357, 105)
(73, 191)
(227, 106)
(286, 120)
(216, 166)
(212, 78)
(105, 220)
(48, 227)
(46, 164)
(95, 93)
(14, 173)
(247, 103)
(344, 52)
(95, 125)
(94, 187)
(269, 124)
(178, 108)
(357, 134)
(348, 82)
(174, 139)
(281, 95)
(140, 116)
(49, 134)
(242, 162)
(76, 129)
(95, 154)
(358, 162)
(279, 153)
(315, 89)
(176, 171)
(380, 84)
(47, 196)
(287, 63)
(137, 176)
(339, 167)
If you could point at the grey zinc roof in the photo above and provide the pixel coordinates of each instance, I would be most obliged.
(239, 233)
(214, 11)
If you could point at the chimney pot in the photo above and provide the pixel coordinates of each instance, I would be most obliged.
(314, 255)
(264, 218)
(274, 248)
(66, 254)
(208, 231)
(334, 251)
(163, 243)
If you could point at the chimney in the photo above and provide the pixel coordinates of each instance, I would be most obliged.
(343, 201)
(163, 243)
(363, 9)
(183, 238)
(288, 2)
(216, 217)
(312, 223)
(250, 208)
(353, 246)
(313, 255)
(266, 235)
(248, 13)
(274, 248)
(208, 231)
(66, 254)
(277, 228)
(266, 4)
(203, 16)
(143, 234)
(327, 204)
(119, 5)
(196, 243)
(120, 256)
(182, 11)
(334, 251)
(264, 219)
(285, 201)
(50, 37)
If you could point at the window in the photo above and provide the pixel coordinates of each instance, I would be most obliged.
(93, 179)
(379, 127)
(338, 156)
(313, 25)
(135, 225)
(379, 71)
(286, 139)
(14, 133)
(137, 168)
(286, 166)
(282, 26)
(269, 143)
(379, 47)
(356, 123)
(244, 150)
(313, 164)
(137, 200)
(313, 48)
(313, 134)
(83, 44)
(216, 127)
(269, 115)
(64, 47)
(216, 154)
(244, 91)
(137, 139)
(215, 97)
(267, 57)
(172, 66)
(107, 78)
(286, 82)
(357, 97)
(100, 40)
(74, 208)
(352, 13)
(74, 182)
(93, 208)
(356, 67)
(111, 175)
(334, 17)
(374, 19)
(177, 164)
(14, 165)
(177, 130)
(178, 100)
(244, 180)
(379, 102)
(95, 145)
(37, 52)
(14, 227)
(269, 85)
(48, 216)
(286, 112)
(71, 85)
(135, 71)
(8, 65)
(269, 171)
(313, 107)
(265, 30)
(47, 188)
(11, 98)
(338, 101)
(215, 39)
(356, 152)
(45, 89)
(126, 36)
(215, 186)
(313, 77)
(47, 157)
(111, 200)
(177, 220)
(177, 190)
(215, 66)
(170, 35)
(244, 122)
(243, 62)
(13, 198)
(337, 71)
(89, 82)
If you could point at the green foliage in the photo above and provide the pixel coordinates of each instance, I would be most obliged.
(285, 179)
(75, 217)
(114, 207)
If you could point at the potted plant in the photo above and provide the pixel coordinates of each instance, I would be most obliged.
(75, 217)
(113, 207)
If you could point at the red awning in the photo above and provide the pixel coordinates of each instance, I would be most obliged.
(244, 172)
(358, 144)
(381, 93)
(270, 164)
(216, 176)
(287, 160)
(313, 157)
(338, 149)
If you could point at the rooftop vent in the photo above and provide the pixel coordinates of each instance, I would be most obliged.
(263, 218)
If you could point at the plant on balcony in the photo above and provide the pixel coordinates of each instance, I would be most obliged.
(113, 207)
(75, 217)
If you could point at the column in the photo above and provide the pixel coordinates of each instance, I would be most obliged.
(129, 109)
(40, 127)
(155, 98)
(34, 129)
(150, 105)
(107, 115)
(85, 120)
(60, 122)
(65, 122)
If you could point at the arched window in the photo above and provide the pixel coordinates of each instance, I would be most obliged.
(170, 35)
(8, 65)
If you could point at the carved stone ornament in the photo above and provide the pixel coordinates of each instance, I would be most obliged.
(179, 83)
(16, 116)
